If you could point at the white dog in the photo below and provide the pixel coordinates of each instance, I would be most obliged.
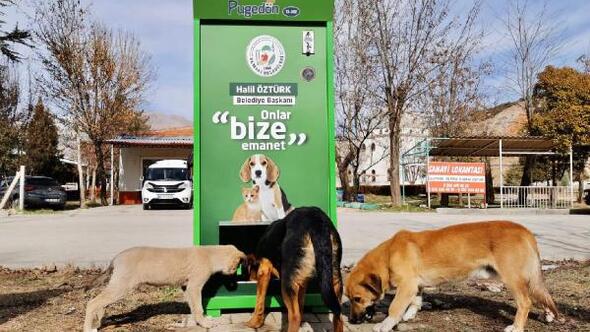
(263, 172)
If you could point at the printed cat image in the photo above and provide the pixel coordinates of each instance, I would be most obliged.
(251, 209)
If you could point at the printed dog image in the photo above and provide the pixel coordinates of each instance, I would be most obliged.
(250, 210)
(412, 260)
(303, 245)
(189, 268)
(263, 172)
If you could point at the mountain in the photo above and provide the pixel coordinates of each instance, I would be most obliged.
(159, 121)
(507, 119)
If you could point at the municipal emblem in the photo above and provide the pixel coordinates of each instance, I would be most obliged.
(265, 55)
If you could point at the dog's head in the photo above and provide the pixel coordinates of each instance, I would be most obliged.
(364, 289)
(251, 265)
(259, 168)
(234, 258)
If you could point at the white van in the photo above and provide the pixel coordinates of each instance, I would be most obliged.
(167, 182)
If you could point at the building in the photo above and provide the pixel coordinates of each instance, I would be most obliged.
(374, 161)
(136, 153)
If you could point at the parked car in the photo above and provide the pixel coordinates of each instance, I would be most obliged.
(167, 182)
(40, 192)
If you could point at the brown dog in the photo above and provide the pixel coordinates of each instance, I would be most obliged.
(411, 260)
(188, 267)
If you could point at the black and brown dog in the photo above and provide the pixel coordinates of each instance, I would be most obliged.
(303, 245)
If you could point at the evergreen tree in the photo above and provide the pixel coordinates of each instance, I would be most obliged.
(10, 123)
(41, 143)
(10, 117)
(15, 36)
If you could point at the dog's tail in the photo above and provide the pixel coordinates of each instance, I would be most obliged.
(537, 287)
(328, 254)
(541, 295)
(101, 279)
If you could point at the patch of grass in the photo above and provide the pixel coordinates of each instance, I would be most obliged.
(404, 208)
(412, 204)
(91, 204)
(70, 205)
(419, 203)
(168, 293)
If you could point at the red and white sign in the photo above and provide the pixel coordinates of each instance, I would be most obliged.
(456, 178)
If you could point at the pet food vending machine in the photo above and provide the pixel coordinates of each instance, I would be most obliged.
(264, 125)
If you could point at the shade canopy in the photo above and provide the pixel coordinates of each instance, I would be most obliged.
(489, 146)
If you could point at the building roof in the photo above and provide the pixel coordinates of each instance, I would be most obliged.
(152, 141)
(172, 137)
(489, 146)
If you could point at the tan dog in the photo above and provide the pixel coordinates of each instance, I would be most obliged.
(411, 260)
(188, 267)
(264, 173)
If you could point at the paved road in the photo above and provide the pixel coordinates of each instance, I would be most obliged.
(558, 236)
(89, 237)
(94, 236)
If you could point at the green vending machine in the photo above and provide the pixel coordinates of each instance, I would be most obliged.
(264, 126)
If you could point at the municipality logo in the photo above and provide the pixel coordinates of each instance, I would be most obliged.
(265, 55)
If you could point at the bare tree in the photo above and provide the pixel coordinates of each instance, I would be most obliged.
(412, 172)
(359, 113)
(412, 39)
(96, 76)
(584, 62)
(454, 94)
(534, 42)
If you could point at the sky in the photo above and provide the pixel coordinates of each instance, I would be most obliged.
(165, 30)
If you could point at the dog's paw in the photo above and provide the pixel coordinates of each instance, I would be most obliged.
(187, 321)
(255, 322)
(207, 322)
(305, 327)
(512, 328)
(549, 316)
(410, 313)
(386, 325)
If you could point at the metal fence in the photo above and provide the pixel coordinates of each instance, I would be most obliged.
(542, 197)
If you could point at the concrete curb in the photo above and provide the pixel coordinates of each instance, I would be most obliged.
(503, 211)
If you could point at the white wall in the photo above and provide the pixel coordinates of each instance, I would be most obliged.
(130, 164)
(413, 131)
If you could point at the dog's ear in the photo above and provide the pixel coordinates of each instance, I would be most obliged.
(373, 283)
(272, 170)
(245, 173)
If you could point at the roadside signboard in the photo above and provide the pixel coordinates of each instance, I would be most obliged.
(456, 178)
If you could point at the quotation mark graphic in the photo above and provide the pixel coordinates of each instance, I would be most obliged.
(220, 117)
(293, 138)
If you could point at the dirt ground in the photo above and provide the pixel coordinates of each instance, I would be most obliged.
(54, 300)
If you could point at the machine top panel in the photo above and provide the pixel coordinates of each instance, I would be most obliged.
(264, 10)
